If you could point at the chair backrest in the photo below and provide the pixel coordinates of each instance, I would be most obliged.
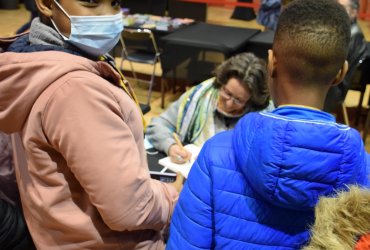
(139, 45)
(139, 40)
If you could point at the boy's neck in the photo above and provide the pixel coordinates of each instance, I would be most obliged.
(291, 94)
(299, 102)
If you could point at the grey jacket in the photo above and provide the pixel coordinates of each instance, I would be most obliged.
(160, 130)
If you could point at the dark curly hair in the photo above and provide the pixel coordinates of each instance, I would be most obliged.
(251, 72)
(311, 40)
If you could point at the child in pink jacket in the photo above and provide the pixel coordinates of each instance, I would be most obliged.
(81, 164)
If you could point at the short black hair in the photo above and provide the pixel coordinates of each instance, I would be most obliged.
(312, 39)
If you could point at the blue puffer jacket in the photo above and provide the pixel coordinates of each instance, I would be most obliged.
(256, 187)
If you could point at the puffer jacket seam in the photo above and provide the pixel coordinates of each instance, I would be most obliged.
(299, 179)
(231, 192)
(316, 150)
(253, 221)
(273, 189)
(182, 208)
(341, 165)
(254, 243)
(251, 141)
(317, 122)
(178, 234)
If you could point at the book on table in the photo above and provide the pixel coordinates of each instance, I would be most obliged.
(183, 169)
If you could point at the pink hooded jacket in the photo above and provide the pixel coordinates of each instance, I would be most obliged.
(86, 183)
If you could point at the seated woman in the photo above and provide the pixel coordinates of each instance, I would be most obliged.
(215, 105)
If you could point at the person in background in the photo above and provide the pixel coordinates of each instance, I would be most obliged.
(215, 105)
(356, 53)
(256, 186)
(13, 229)
(342, 221)
(269, 12)
(82, 169)
(32, 8)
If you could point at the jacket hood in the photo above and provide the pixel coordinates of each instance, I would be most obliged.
(24, 76)
(293, 155)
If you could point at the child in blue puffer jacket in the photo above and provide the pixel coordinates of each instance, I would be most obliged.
(256, 187)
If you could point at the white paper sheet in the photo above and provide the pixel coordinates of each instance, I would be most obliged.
(184, 169)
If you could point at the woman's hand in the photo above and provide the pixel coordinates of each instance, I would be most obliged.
(178, 155)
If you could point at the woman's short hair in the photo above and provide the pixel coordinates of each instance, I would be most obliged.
(251, 72)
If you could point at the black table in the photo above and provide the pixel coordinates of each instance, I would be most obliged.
(153, 156)
(141, 20)
(204, 36)
(189, 42)
(160, 26)
(261, 43)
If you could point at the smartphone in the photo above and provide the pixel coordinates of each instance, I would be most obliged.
(163, 177)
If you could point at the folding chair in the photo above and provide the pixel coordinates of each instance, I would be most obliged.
(139, 45)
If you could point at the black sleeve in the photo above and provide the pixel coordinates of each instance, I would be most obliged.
(13, 229)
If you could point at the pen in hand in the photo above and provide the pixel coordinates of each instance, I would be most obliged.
(178, 142)
(177, 152)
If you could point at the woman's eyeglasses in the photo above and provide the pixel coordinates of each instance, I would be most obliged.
(226, 94)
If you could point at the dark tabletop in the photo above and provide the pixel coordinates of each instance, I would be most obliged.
(265, 37)
(212, 37)
(155, 169)
(153, 157)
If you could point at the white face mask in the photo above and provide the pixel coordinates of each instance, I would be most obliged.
(95, 35)
(228, 115)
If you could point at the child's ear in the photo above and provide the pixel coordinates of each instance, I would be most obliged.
(44, 7)
(341, 74)
(271, 63)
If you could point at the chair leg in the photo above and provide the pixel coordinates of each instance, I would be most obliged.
(125, 56)
(151, 85)
(122, 58)
(174, 80)
(163, 92)
(133, 72)
(359, 107)
(345, 114)
(366, 127)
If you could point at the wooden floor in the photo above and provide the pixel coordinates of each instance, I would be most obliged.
(11, 20)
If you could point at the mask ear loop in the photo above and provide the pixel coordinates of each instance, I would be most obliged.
(62, 9)
(124, 83)
(55, 26)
